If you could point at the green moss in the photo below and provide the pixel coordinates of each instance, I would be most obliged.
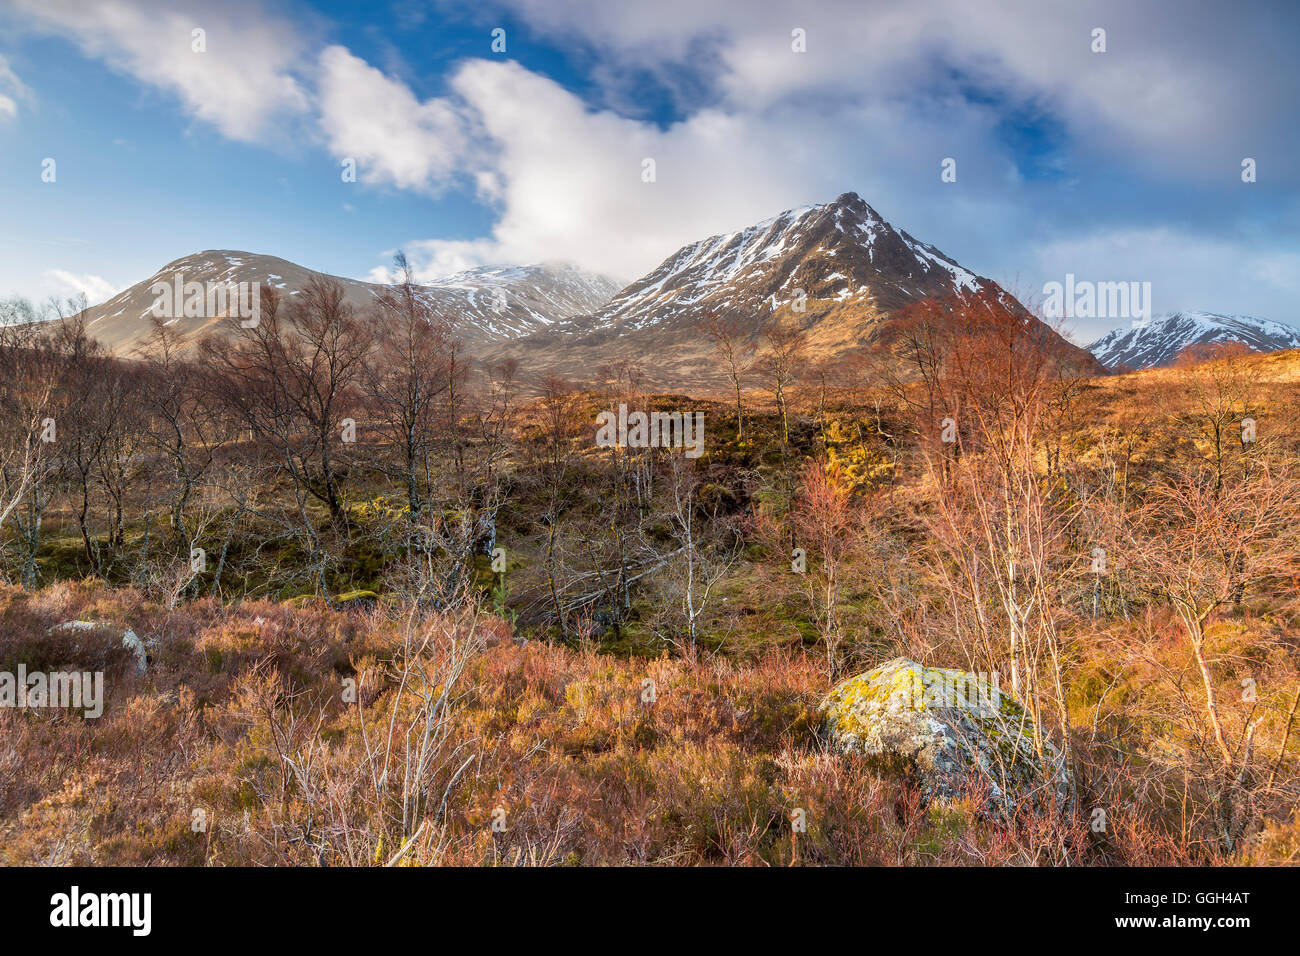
(358, 595)
(853, 706)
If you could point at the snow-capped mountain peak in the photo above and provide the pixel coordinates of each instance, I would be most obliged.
(839, 270)
(1158, 342)
(837, 253)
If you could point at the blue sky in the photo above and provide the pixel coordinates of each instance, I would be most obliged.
(1121, 165)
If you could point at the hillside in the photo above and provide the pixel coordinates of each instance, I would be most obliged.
(613, 589)
(487, 304)
(837, 270)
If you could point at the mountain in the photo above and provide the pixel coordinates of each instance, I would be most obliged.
(839, 254)
(841, 261)
(486, 305)
(1158, 342)
(838, 269)
(531, 297)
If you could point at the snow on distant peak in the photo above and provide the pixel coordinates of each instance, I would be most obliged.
(492, 303)
(1158, 342)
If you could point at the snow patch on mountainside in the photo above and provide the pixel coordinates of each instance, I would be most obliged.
(483, 305)
(1158, 342)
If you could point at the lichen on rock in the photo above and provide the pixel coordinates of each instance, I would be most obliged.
(953, 730)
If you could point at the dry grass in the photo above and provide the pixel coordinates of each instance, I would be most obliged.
(242, 718)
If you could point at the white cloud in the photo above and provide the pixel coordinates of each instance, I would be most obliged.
(12, 89)
(1215, 80)
(378, 121)
(433, 258)
(242, 84)
(885, 91)
(566, 180)
(1186, 271)
(64, 284)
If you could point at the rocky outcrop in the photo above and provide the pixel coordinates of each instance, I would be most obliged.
(956, 732)
(129, 640)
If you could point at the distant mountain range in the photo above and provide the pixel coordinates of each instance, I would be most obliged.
(1160, 341)
(488, 304)
(839, 270)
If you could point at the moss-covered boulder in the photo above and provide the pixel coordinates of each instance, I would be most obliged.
(957, 732)
(356, 599)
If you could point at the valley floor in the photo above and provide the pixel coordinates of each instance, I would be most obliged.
(269, 735)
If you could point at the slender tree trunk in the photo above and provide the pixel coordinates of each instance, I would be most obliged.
(1195, 625)
(740, 414)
